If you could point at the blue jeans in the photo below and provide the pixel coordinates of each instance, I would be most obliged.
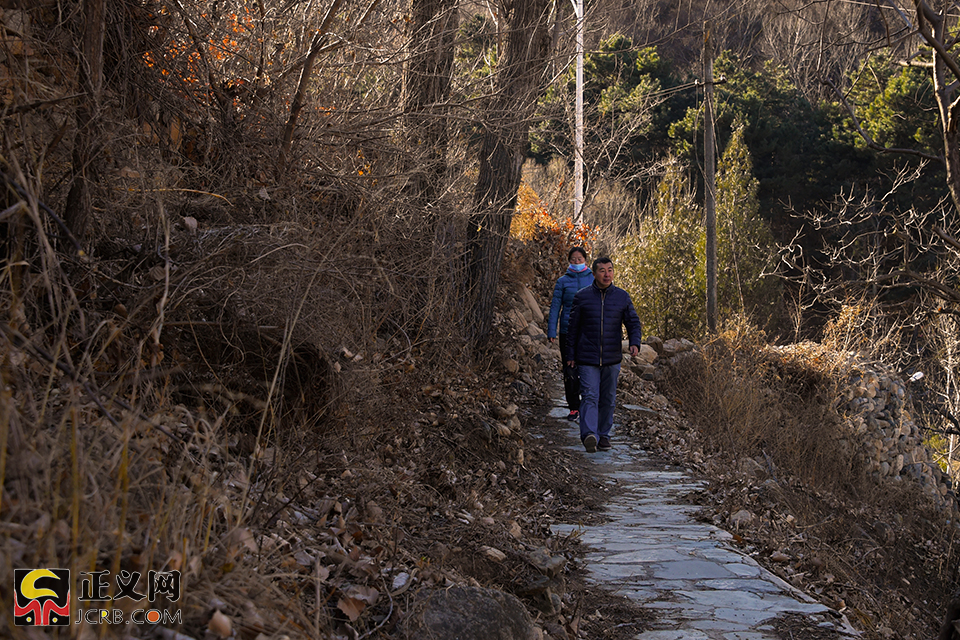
(598, 397)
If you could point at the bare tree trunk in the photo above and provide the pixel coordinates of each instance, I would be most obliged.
(426, 90)
(305, 73)
(88, 141)
(521, 75)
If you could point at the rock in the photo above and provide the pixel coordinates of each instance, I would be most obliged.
(511, 365)
(750, 468)
(556, 631)
(517, 320)
(779, 556)
(656, 343)
(527, 296)
(505, 413)
(549, 565)
(470, 613)
(671, 348)
(494, 554)
(637, 408)
(647, 354)
(742, 518)
(534, 331)
(541, 596)
(521, 387)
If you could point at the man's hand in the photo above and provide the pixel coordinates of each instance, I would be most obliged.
(572, 364)
(552, 340)
(634, 350)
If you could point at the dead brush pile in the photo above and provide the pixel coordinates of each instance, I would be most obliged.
(257, 373)
(767, 427)
(284, 416)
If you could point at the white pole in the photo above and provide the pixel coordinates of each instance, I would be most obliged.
(578, 143)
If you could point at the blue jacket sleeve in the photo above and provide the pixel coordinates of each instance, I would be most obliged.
(555, 307)
(632, 322)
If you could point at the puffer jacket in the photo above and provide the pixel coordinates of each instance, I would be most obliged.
(594, 334)
(567, 286)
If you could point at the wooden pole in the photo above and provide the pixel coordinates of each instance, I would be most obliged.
(709, 180)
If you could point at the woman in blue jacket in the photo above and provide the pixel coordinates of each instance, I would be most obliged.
(577, 276)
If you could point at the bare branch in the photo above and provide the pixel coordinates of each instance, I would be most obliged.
(926, 14)
(948, 293)
(950, 240)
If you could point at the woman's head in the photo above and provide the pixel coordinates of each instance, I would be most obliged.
(577, 255)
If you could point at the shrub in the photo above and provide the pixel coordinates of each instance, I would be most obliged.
(664, 264)
(532, 221)
(658, 265)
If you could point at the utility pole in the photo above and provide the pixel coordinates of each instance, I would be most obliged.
(578, 123)
(710, 181)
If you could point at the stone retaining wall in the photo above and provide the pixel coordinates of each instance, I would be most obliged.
(875, 411)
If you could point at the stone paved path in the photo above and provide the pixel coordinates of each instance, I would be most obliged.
(652, 550)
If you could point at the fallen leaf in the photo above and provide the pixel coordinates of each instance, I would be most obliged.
(220, 624)
(351, 607)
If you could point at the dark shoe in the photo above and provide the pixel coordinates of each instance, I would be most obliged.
(573, 415)
(590, 443)
(604, 444)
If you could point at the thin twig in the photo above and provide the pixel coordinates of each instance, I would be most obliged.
(387, 617)
(20, 341)
(60, 223)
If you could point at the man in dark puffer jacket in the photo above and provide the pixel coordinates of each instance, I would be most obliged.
(594, 346)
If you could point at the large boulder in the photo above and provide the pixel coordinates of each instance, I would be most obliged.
(528, 298)
(647, 354)
(470, 613)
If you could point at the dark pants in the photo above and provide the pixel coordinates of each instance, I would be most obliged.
(571, 377)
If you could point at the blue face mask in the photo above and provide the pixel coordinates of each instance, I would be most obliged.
(578, 267)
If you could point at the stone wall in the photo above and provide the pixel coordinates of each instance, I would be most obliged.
(874, 405)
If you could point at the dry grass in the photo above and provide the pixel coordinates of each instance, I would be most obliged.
(764, 403)
(879, 552)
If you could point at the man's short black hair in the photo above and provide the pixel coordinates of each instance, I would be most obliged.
(599, 261)
(579, 250)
